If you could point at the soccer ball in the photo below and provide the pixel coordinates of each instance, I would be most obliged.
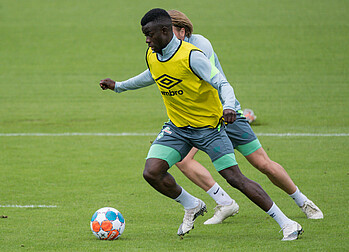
(107, 223)
(250, 116)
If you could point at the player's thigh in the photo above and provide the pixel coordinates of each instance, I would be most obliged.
(217, 145)
(170, 145)
(188, 158)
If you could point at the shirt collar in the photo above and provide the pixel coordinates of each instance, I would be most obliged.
(170, 49)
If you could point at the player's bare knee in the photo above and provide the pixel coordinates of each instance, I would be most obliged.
(235, 178)
(237, 182)
(150, 172)
(148, 176)
(232, 182)
(264, 166)
(154, 169)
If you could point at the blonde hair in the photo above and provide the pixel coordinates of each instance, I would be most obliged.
(180, 20)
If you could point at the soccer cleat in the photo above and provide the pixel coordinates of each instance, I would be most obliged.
(311, 210)
(222, 212)
(189, 217)
(291, 231)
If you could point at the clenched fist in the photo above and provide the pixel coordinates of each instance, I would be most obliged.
(107, 84)
(229, 115)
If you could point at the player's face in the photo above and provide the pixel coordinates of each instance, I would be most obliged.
(179, 32)
(156, 36)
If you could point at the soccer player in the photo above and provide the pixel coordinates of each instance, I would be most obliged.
(188, 84)
(242, 138)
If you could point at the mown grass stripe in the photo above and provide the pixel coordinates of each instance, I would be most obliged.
(154, 134)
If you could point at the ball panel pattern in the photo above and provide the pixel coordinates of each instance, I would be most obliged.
(107, 223)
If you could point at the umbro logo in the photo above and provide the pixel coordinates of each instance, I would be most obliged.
(167, 81)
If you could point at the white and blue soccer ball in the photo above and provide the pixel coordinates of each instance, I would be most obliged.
(249, 115)
(107, 223)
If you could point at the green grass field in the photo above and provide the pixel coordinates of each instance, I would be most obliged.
(287, 60)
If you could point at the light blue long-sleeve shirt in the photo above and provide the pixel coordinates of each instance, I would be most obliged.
(200, 63)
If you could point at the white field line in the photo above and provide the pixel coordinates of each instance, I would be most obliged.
(77, 134)
(303, 134)
(154, 134)
(29, 206)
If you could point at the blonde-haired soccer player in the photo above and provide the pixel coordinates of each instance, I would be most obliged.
(242, 137)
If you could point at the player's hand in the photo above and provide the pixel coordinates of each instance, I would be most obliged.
(229, 115)
(107, 84)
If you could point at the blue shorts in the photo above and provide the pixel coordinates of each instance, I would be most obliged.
(242, 136)
(174, 143)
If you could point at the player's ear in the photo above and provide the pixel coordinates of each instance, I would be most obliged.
(182, 32)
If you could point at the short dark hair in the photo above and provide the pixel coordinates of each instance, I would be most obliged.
(157, 15)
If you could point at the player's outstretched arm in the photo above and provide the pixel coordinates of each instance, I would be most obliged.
(142, 80)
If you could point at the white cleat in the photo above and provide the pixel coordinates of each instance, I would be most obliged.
(222, 212)
(311, 210)
(189, 217)
(291, 231)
